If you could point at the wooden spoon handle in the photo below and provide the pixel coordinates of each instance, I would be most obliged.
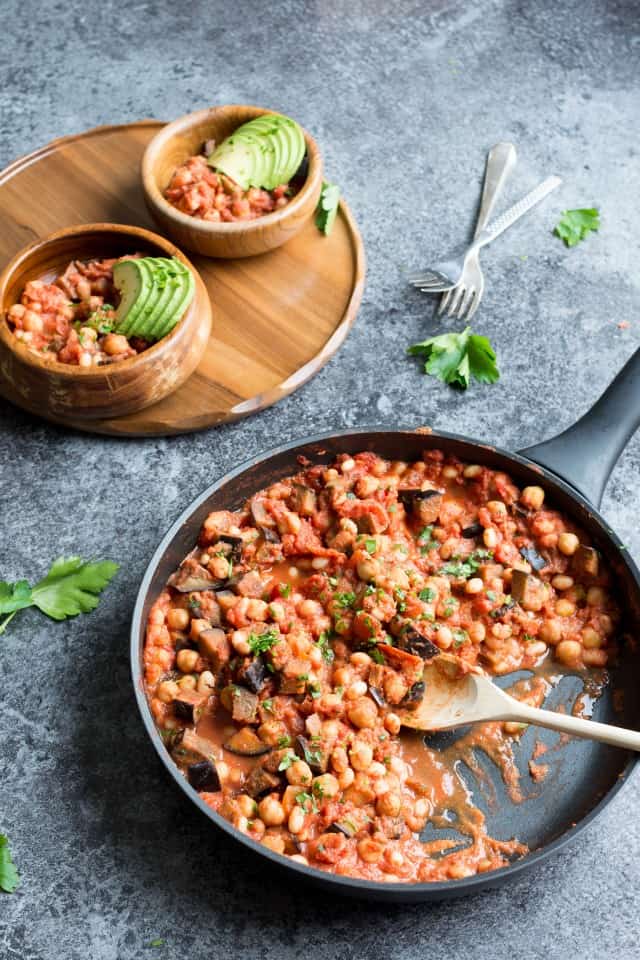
(576, 726)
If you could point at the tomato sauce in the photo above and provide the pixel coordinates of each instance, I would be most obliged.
(285, 649)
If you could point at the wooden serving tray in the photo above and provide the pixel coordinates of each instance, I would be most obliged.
(277, 318)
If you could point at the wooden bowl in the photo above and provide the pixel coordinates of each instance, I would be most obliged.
(243, 238)
(115, 389)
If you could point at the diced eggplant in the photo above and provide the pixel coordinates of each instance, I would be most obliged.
(345, 827)
(241, 703)
(275, 758)
(214, 645)
(529, 591)
(246, 743)
(377, 696)
(227, 596)
(503, 608)
(251, 584)
(411, 666)
(270, 536)
(193, 583)
(230, 546)
(586, 561)
(414, 696)
(472, 531)
(203, 776)
(303, 500)
(413, 642)
(192, 748)
(261, 781)
(189, 706)
(518, 510)
(519, 584)
(311, 754)
(256, 674)
(531, 555)
(424, 505)
(261, 516)
(293, 685)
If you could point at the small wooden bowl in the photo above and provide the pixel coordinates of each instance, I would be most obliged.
(115, 389)
(243, 238)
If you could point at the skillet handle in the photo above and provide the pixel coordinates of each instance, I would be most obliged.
(586, 453)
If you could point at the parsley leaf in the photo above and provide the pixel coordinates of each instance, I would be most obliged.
(456, 357)
(286, 762)
(370, 546)
(463, 569)
(72, 586)
(9, 878)
(323, 642)
(426, 540)
(427, 594)
(261, 642)
(575, 225)
(344, 600)
(327, 207)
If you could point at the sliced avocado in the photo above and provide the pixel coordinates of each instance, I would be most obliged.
(264, 152)
(175, 287)
(177, 309)
(134, 282)
(165, 276)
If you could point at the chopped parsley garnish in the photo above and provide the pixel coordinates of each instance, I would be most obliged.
(306, 801)
(459, 637)
(261, 642)
(333, 582)
(286, 762)
(284, 742)
(344, 600)
(370, 546)
(323, 642)
(427, 594)
(375, 655)
(267, 705)
(491, 595)
(575, 225)
(399, 595)
(426, 540)
(318, 790)
(528, 638)
(463, 569)
(370, 589)
(456, 357)
(284, 589)
(450, 606)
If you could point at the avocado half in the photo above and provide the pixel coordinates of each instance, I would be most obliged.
(265, 152)
(154, 294)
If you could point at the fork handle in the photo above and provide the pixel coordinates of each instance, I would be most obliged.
(501, 160)
(516, 211)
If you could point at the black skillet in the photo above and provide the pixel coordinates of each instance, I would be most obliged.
(573, 468)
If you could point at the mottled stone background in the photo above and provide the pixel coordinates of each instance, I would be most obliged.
(405, 99)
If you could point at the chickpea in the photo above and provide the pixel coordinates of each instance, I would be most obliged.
(368, 569)
(360, 659)
(188, 682)
(115, 343)
(496, 508)
(476, 631)
(247, 805)
(320, 563)
(551, 631)
(299, 772)
(389, 804)
(167, 691)
(178, 618)
(596, 597)
(568, 543)
(32, 322)
(564, 608)
(240, 643)
(275, 843)
(595, 658)
(271, 812)
(347, 465)
(532, 497)
(271, 731)
(536, 649)
(340, 760)
(361, 755)
(295, 823)
(560, 582)
(370, 850)
(346, 778)
(591, 639)
(474, 585)
(490, 538)
(395, 687)
(310, 608)
(342, 677)
(257, 609)
(450, 473)
(326, 785)
(392, 723)
(472, 471)
(206, 682)
(187, 660)
(298, 858)
(363, 713)
(357, 689)
(569, 652)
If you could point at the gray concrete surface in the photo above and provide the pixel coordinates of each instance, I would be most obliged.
(404, 99)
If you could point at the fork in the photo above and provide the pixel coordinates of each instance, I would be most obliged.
(446, 275)
(466, 296)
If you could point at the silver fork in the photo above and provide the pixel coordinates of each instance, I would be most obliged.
(446, 275)
(466, 296)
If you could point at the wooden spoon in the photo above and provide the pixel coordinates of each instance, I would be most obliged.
(453, 699)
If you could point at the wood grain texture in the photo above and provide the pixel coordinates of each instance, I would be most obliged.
(183, 138)
(55, 389)
(277, 317)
